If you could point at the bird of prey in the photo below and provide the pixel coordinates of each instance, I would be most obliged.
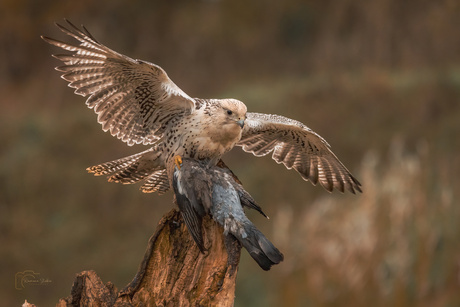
(138, 103)
(201, 188)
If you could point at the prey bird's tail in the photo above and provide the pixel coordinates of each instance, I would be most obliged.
(258, 246)
(145, 165)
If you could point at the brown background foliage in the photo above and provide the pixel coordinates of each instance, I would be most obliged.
(380, 80)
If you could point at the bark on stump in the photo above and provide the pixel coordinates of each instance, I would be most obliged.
(172, 273)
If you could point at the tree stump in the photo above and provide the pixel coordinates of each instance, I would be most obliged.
(173, 272)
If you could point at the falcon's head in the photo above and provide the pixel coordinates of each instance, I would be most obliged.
(229, 116)
(232, 111)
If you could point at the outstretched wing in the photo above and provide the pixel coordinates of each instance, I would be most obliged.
(298, 147)
(133, 99)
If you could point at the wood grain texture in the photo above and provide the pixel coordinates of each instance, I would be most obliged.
(173, 272)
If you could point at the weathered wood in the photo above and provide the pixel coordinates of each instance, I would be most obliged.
(172, 273)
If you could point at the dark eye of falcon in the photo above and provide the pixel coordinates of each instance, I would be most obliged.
(229, 112)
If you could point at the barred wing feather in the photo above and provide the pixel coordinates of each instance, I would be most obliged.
(298, 147)
(133, 99)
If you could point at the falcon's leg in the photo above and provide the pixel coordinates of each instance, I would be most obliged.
(178, 161)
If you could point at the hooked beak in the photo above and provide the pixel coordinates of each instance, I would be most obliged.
(240, 123)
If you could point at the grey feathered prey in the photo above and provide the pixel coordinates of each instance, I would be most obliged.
(203, 189)
(138, 103)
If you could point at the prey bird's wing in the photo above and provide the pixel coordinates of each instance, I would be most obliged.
(192, 211)
(245, 198)
(298, 147)
(134, 99)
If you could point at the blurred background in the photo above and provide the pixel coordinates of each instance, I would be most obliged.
(380, 80)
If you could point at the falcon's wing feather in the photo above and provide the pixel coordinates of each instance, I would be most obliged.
(133, 99)
(296, 146)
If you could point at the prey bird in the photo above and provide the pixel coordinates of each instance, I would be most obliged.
(138, 103)
(201, 188)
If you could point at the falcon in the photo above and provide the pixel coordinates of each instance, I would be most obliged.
(138, 103)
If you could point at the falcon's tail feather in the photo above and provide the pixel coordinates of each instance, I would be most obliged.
(134, 168)
(111, 167)
(156, 182)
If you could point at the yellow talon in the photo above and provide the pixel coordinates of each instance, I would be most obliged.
(178, 161)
